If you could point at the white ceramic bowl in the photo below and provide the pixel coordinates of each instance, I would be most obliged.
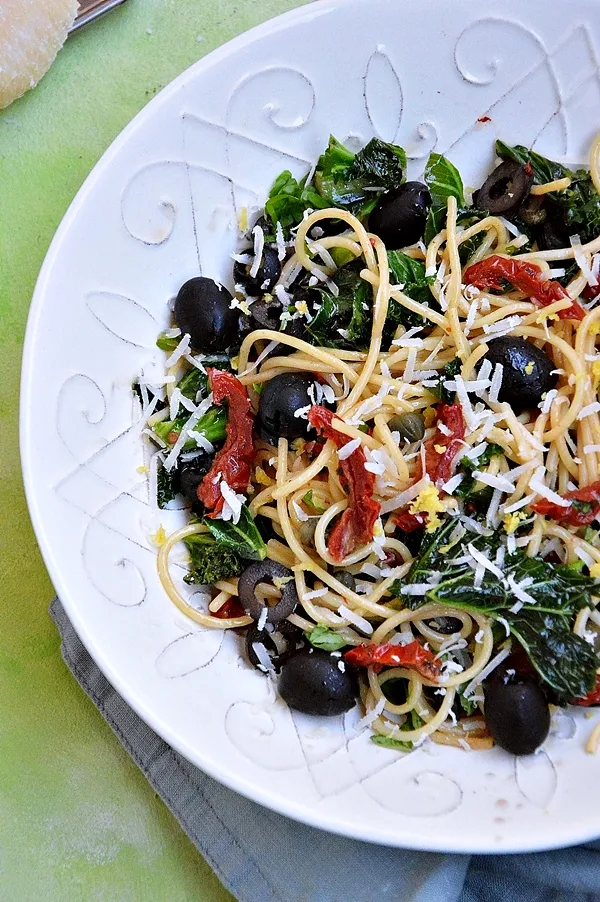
(163, 202)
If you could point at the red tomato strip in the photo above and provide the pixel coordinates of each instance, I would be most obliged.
(525, 276)
(571, 515)
(592, 698)
(355, 526)
(413, 656)
(438, 463)
(231, 608)
(409, 522)
(232, 462)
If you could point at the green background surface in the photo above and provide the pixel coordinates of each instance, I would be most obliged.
(77, 819)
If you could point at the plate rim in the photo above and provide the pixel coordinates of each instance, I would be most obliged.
(326, 820)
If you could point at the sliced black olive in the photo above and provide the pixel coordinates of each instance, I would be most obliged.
(527, 371)
(411, 426)
(400, 216)
(203, 310)
(266, 572)
(445, 625)
(312, 681)
(279, 644)
(504, 189)
(282, 397)
(267, 314)
(191, 474)
(346, 579)
(516, 712)
(254, 636)
(267, 275)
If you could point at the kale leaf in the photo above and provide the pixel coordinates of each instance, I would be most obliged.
(410, 274)
(209, 562)
(564, 661)
(288, 199)
(219, 553)
(167, 487)
(355, 181)
(440, 391)
(412, 722)
(323, 637)
(349, 311)
(212, 425)
(242, 537)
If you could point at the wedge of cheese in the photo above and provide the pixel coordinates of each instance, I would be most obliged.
(31, 34)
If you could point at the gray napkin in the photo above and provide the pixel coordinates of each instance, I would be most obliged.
(261, 856)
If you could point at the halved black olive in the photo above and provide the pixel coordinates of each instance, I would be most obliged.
(191, 473)
(400, 216)
(504, 189)
(266, 572)
(526, 371)
(267, 275)
(516, 712)
(312, 681)
(202, 309)
(282, 397)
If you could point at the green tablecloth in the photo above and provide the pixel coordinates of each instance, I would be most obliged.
(77, 820)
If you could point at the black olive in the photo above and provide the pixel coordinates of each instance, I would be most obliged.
(400, 216)
(445, 625)
(281, 398)
(395, 690)
(254, 636)
(552, 235)
(307, 530)
(267, 275)
(516, 712)
(266, 572)
(504, 189)
(311, 681)
(345, 578)
(279, 644)
(527, 371)
(266, 314)
(202, 309)
(411, 426)
(191, 474)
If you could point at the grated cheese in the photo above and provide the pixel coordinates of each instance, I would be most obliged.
(348, 449)
(480, 558)
(371, 715)
(502, 327)
(581, 260)
(232, 508)
(259, 246)
(539, 488)
(180, 351)
(315, 593)
(496, 482)
(496, 382)
(489, 668)
(355, 619)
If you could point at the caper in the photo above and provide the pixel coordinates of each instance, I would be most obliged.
(307, 531)
(346, 579)
(411, 426)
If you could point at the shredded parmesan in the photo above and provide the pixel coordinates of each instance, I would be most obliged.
(355, 619)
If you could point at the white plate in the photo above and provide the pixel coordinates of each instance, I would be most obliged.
(163, 201)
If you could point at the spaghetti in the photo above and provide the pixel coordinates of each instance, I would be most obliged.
(524, 467)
